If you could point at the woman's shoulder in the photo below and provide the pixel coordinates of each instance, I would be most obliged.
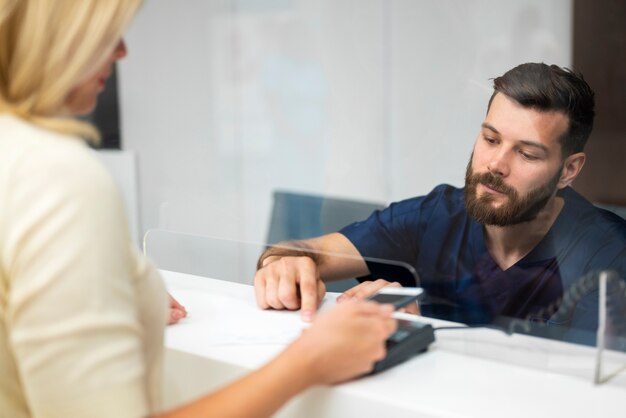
(30, 151)
(19, 136)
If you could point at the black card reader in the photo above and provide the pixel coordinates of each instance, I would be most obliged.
(410, 338)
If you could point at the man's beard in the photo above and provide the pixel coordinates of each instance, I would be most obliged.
(514, 211)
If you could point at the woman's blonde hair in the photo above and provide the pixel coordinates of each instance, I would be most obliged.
(48, 47)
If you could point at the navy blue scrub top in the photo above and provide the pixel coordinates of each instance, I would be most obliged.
(436, 236)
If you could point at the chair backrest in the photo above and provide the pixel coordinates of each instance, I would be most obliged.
(299, 216)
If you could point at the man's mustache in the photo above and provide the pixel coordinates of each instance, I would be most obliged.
(493, 182)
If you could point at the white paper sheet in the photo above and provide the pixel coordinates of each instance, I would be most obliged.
(225, 320)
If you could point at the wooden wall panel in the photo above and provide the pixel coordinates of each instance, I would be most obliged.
(600, 54)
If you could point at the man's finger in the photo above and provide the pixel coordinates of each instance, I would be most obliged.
(288, 293)
(321, 291)
(350, 293)
(411, 308)
(368, 289)
(259, 291)
(271, 289)
(371, 288)
(308, 290)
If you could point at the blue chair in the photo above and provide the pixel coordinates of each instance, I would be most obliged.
(299, 216)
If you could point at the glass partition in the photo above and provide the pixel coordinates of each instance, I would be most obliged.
(297, 103)
(190, 263)
(204, 256)
(611, 337)
(542, 338)
(236, 261)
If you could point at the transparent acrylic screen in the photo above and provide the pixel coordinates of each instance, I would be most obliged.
(314, 114)
(497, 337)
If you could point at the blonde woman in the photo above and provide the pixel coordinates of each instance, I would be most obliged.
(81, 313)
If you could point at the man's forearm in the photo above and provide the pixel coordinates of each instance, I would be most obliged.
(333, 254)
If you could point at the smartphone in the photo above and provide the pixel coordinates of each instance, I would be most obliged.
(397, 296)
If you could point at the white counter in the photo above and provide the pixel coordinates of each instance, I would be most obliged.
(465, 373)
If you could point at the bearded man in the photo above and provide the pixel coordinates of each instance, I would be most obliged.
(513, 243)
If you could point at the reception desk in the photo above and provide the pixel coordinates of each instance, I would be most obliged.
(465, 373)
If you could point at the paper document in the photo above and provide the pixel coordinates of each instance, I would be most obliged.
(217, 319)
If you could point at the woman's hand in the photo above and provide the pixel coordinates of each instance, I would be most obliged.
(345, 341)
(177, 311)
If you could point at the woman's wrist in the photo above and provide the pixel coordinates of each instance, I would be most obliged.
(300, 365)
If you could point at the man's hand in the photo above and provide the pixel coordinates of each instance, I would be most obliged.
(289, 283)
(370, 288)
(177, 311)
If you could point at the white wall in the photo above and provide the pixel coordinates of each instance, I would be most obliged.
(122, 164)
(224, 101)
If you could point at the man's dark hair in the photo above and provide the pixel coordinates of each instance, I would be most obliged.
(552, 88)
